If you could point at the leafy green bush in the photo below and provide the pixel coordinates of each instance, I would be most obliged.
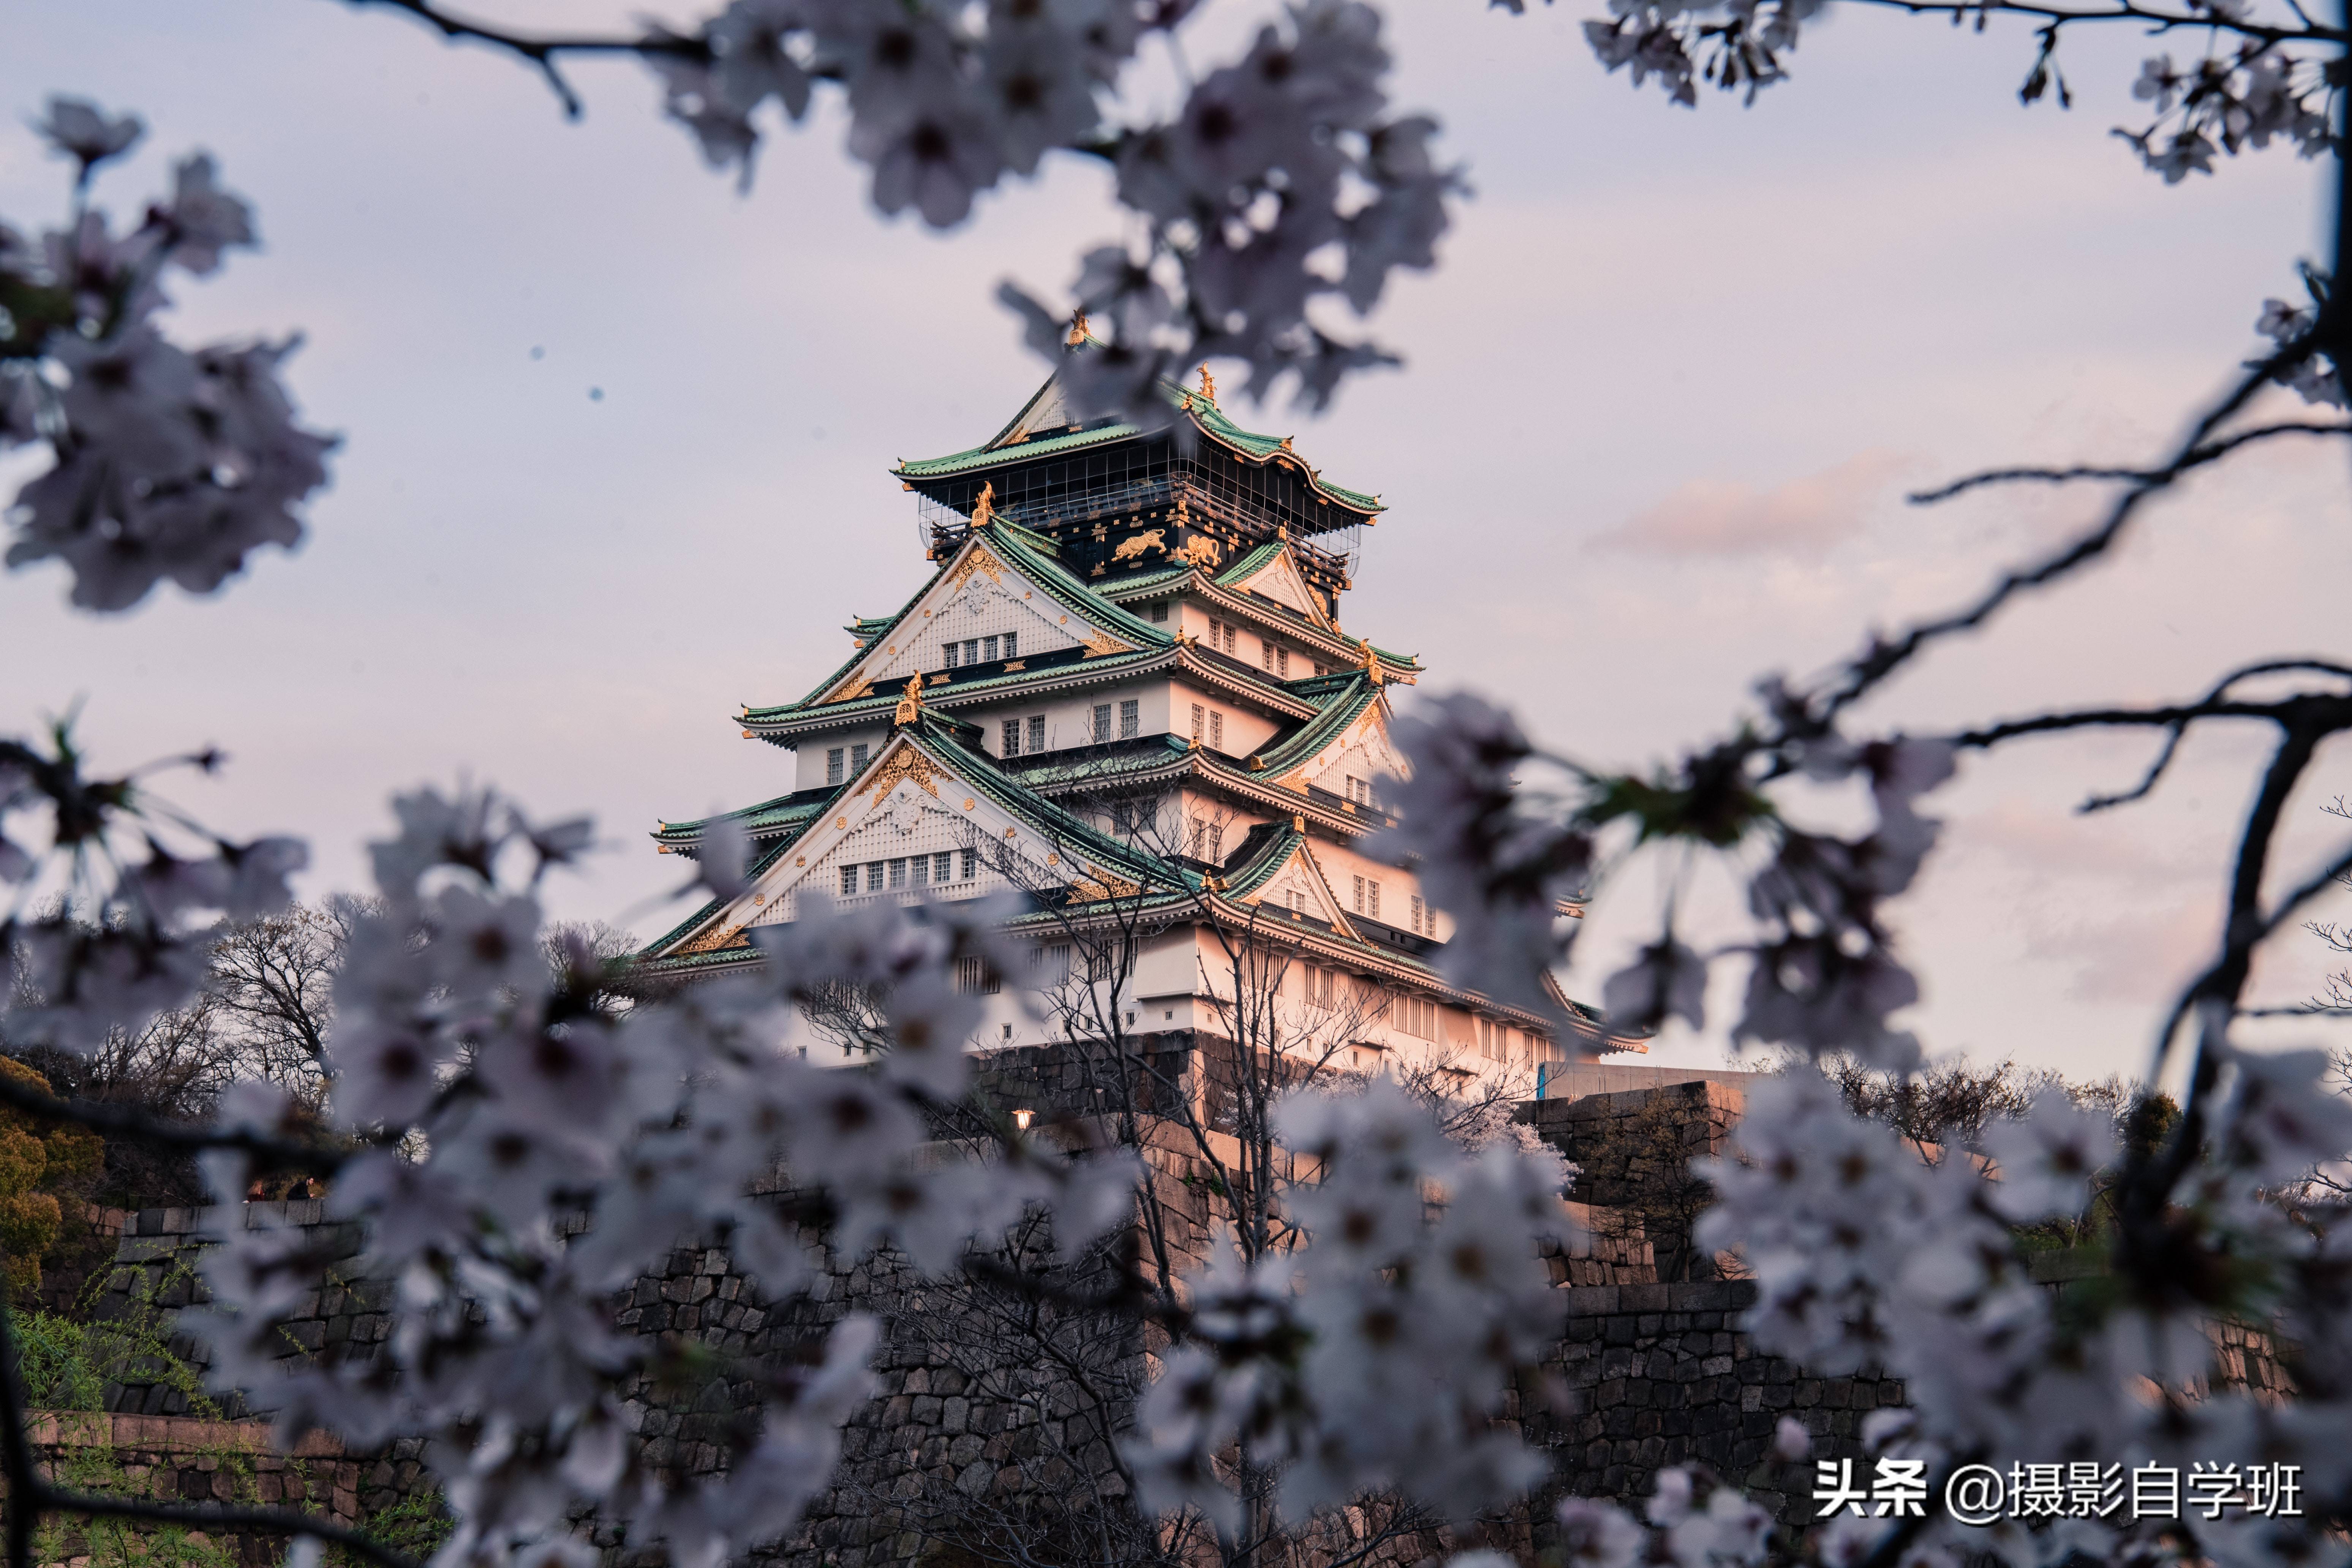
(54, 1359)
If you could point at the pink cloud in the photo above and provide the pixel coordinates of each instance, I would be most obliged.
(1805, 516)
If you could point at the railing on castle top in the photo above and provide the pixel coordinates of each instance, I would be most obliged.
(946, 526)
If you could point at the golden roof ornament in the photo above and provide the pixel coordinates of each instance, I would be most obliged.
(984, 511)
(911, 706)
(1077, 328)
(1208, 384)
(1371, 661)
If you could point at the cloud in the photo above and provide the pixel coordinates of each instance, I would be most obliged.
(1803, 517)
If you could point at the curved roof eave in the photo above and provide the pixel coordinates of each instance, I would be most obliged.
(1207, 419)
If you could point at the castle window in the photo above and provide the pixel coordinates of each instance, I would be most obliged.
(1282, 663)
(1265, 652)
(898, 873)
(1123, 817)
(833, 768)
(1102, 722)
(1037, 732)
(1368, 896)
(1216, 729)
(1013, 644)
(1200, 720)
(1418, 917)
(1012, 738)
(1232, 640)
(952, 649)
(874, 876)
(971, 651)
(857, 758)
(974, 978)
(848, 881)
(971, 864)
(942, 865)
(1131, 719)
(921, 869)
(1159, 611)
(987, 650)
(1359, 791)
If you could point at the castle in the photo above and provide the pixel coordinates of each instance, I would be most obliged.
(1124, 693)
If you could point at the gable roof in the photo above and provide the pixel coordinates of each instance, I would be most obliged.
(939, 755)
(1000, 546)
(1271, 573)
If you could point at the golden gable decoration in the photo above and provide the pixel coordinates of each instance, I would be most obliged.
(1102, 643)
(908, 763)
(975, 560)
(714, 940)
(1099, 884)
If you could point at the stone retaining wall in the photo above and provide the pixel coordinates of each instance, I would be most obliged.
(1650, 1376)
(195, 1460)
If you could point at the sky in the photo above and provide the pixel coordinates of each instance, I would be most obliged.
(615, 434)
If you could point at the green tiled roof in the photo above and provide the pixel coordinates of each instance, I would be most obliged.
(781, 815)
(1249, 564)
(1003, 448)
(1349, 702)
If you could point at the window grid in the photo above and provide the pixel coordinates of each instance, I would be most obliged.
(1037, 732)
(1131, 719)
(906, 871)
(833, 770)
(1102, 722)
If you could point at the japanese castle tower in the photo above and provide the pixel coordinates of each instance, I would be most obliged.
(1124, 691)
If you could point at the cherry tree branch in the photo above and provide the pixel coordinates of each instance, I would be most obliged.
(1887, 654)
(2156, 20)
(541, 51)
(2212, 451)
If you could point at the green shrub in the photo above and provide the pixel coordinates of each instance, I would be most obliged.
(54, 1360)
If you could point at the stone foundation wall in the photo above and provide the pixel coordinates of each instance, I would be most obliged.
(1650, 1376)
(194, 1460)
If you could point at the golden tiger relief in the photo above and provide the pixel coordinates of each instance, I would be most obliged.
(1133, 549)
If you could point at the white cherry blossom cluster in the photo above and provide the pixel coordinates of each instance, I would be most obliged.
(1504, 860)
(2230, 101)
(1866, 1254)
(2314, 376)
(168, 463)
(525, 1154)
(1375, 1356)
(105, 923)
(1283, 179)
